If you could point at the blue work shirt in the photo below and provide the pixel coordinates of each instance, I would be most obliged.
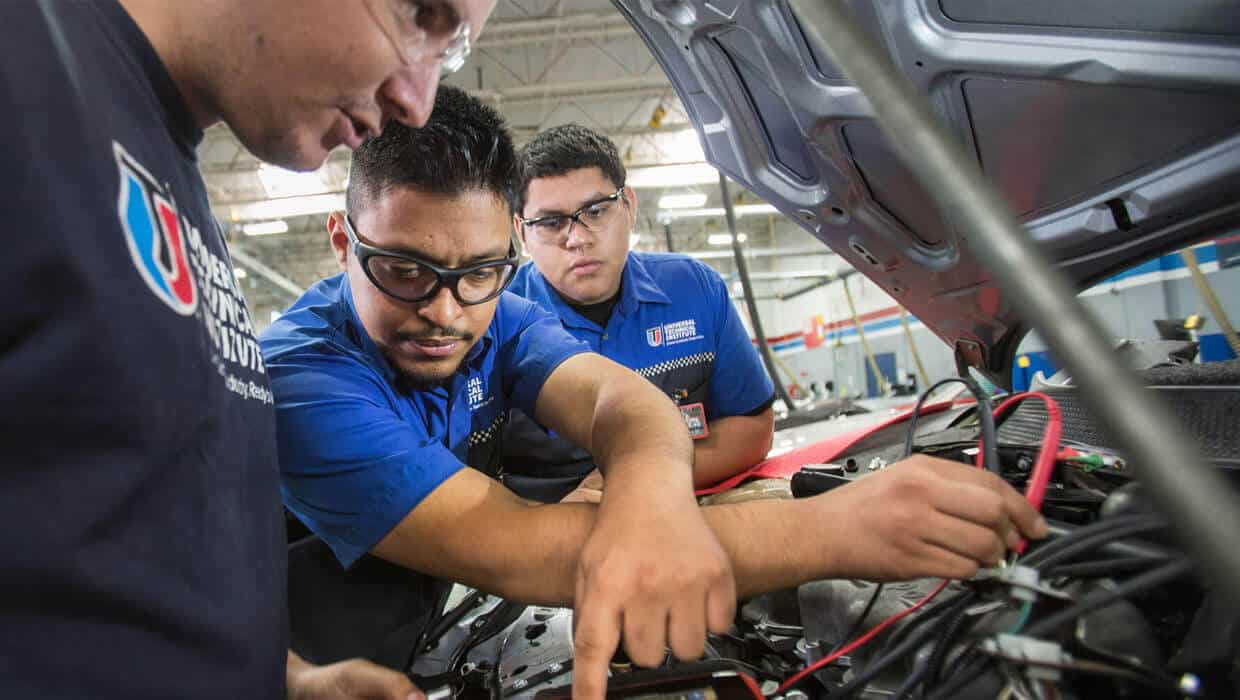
(358, 450)
(675, 325)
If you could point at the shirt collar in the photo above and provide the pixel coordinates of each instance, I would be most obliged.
(179, 118)
(636, 287)
(357, 333)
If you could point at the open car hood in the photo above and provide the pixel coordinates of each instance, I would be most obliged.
(1111, 129)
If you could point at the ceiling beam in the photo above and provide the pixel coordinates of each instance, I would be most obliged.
(248, 164)
(613, 88)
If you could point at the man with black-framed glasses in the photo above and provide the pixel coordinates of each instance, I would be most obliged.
(392, 381)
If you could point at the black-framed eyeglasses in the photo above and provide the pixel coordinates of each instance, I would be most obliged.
(594, 216)
(410, 278)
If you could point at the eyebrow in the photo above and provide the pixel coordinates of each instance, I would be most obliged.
(594, 199)
(485, 256)
(492, 254)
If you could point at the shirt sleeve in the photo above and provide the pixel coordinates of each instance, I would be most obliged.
(535, 348)
(350, 466)
(739, 384)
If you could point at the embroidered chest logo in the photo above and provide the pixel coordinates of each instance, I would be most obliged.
(476, 394)
(672, 333)
(155, 235)
(654, 336)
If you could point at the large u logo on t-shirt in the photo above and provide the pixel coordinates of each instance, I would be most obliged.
(155, 235)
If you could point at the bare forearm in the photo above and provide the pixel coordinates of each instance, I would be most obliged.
(496, 542)
(639, 434)
(634, 432)
(765, 540)
(735, 443)
(768, 544)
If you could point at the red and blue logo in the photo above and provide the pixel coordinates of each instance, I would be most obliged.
(654, 336)
(155, 234)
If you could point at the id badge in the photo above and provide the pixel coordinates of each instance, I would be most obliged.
(695, 418)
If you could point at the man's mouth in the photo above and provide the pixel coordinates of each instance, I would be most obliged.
(351, 130)
(585, 266)
(432, 348)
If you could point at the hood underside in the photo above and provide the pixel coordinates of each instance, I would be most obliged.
(1111, 129)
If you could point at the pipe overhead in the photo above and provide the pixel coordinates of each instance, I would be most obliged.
(742, 270)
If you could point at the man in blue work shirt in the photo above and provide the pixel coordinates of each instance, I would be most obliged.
(393, 376)
(391, 379)
(669, 317)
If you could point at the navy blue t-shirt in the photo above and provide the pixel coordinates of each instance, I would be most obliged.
(142, 553)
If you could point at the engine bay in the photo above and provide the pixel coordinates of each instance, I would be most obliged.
(1109, 605)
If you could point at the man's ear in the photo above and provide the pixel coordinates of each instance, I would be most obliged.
(339, 239)
(518, 229)
(631, 196)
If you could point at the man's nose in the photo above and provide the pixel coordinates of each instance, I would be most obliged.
(442, 310)
(578, 236)
(408, 96)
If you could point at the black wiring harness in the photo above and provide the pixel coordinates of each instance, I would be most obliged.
(947, 638)
(954, 642)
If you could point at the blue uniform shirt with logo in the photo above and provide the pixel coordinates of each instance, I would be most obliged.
(675, 325)
(359, 449)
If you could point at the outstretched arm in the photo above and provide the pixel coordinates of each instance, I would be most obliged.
(922, 517)
(735, 444)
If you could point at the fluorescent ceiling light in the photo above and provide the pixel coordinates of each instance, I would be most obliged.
(685, 145)
(279, 182)
(265, 228)
(240, 273)
(688, 200)
(678, 175)
(724, 238)
(286, 208)
(738, 210)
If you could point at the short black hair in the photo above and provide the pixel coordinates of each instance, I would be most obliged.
(561, 150)
(464, 146)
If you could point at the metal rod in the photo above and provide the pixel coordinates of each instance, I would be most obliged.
(912, 348)
(865, 344)
(1207, 294)
(1196, 497)
(792, 377)
(667, 235)
(256, 266)
(742, 270)
(817, 284)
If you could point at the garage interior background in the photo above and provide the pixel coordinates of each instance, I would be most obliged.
(542, 64)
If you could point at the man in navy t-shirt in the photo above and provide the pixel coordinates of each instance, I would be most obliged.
(668, 317)
(143, 553)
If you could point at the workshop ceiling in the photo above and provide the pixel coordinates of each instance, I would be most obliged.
(541, 63)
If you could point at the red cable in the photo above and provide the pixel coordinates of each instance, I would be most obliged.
(752, 685)
(1034, 493)
(798, 676)
(1048, 453)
